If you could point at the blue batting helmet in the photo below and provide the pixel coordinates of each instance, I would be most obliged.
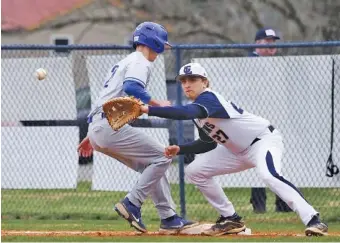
(152, 35)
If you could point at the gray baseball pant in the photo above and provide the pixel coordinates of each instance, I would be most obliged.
(141, 153)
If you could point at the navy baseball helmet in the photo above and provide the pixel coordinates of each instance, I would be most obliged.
(152, 35)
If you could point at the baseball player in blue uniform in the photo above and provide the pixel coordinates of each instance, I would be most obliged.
(258, 194)
(129, 145)
(231, 140)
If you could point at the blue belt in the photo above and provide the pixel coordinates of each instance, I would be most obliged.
(90, 118)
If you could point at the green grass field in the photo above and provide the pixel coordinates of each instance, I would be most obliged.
(86, 210)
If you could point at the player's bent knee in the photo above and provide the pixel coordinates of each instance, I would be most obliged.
(189, 171)
(194, 174)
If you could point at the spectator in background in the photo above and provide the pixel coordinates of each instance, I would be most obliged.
(265, 36)
(258, 195)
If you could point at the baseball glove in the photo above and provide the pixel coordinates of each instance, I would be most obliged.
(122, 110)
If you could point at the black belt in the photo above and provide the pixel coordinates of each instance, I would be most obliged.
(271, 129)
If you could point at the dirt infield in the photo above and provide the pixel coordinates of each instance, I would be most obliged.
(127, 233)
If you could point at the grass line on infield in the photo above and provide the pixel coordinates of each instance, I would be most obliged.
(122, 225)
(83, 203)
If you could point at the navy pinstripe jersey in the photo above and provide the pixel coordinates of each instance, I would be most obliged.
(226, 123)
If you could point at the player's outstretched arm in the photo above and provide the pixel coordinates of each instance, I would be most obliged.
(186, 112)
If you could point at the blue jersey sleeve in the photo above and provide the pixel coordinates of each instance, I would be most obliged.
(206, 105)
(133, 88)
(212, 105)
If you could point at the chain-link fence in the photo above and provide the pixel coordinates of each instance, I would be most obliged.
(43, 122)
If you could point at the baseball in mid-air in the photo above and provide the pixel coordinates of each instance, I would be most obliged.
(40, 73)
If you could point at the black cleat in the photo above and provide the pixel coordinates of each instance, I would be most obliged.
(226, 225)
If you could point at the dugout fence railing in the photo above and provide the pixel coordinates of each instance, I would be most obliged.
(42, 122)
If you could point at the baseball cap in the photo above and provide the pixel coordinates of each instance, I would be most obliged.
(266, 33)
(192, 69)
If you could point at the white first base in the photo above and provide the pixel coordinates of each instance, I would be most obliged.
(199, 229)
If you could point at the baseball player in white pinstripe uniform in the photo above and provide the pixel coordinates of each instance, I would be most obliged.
(231, 140)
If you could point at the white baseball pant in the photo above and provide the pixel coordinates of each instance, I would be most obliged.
(265, 155)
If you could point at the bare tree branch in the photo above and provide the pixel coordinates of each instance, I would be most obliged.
(275, 6)
(84, 32)
(208, 33)
(289, 14)
(176, 18)
(110, 19)
(294, 16)
(252, 13)
(205, 20)
(105, 5)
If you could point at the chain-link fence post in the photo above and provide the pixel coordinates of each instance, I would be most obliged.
(180, 131)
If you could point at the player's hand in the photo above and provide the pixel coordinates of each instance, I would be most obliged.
(171, 151)
(144, 109)
(85, 148)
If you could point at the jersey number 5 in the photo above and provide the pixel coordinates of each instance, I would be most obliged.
(113, 72)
